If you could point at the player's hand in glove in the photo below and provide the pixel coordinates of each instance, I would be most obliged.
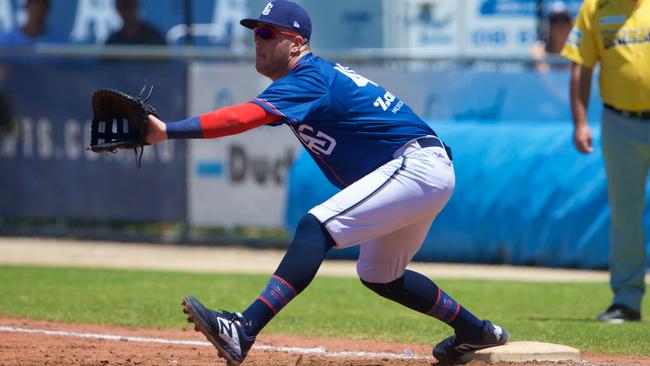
(120, 121)
(157, 130)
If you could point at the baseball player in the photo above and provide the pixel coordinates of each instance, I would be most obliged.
(616, 35)
(395, 175)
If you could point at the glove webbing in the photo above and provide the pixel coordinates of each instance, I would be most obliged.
(138, 159)
(135, 150)
(107, 135)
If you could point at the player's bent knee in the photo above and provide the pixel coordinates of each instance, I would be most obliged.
(376, 287)
(376, 274)
(383, 289)
(310, 230)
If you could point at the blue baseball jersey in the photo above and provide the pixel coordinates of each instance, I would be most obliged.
(349, 124)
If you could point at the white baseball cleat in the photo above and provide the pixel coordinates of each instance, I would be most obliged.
(223, 329)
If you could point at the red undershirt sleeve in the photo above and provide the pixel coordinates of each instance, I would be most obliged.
(221, 122)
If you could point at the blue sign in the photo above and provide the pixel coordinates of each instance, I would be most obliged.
(45, 169)
(509, 7)
(524, 7)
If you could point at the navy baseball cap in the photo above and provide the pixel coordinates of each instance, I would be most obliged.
(284, 14)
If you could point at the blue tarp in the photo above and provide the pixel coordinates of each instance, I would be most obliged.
(523, 196)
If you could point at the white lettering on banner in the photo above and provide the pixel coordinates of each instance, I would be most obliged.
(165, 151)
(44, 145)
(43, 141)
(225, 21)
(72, 139)
(98, 14)
(6, 16)
(358, 79)
(28, 141)
(321, 143)
(9, 144)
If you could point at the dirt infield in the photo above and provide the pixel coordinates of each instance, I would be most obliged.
(27, 342)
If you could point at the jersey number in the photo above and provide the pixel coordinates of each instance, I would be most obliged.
(381, 102)
(316, 141)
(358, 79)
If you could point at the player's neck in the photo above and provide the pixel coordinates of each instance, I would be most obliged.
(294, 60)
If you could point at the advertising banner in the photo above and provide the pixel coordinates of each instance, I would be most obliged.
(425, 26)
(237, 180)
(45, 169)
(500, 28)
(468, 28)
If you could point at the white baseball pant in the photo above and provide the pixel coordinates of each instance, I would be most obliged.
(389, 211)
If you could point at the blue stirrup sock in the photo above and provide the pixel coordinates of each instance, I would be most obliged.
(296, 270)
(419, 293)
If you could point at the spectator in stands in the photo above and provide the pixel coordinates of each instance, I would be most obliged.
(35, 28)
(558, 26)
(134, 30)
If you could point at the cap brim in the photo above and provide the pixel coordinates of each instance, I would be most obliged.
(252, 23)
(249, 23)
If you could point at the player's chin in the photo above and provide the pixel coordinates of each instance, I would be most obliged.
(261, 68)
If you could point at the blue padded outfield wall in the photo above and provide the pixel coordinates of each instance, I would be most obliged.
(523, 196)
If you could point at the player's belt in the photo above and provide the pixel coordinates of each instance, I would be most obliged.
(433, 142)
(630, 114)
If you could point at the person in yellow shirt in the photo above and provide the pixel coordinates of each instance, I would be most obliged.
(615, 34)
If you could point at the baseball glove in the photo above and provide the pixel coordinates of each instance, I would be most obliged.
(119, 121)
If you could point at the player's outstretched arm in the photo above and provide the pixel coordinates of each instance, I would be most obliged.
(221, 122)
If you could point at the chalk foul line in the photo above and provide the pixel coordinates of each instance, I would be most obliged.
(407, 354)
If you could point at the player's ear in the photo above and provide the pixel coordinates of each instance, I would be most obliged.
(297, 43)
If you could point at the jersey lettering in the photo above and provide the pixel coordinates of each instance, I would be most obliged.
(318, 142)
(381, 102)
(358, 79)
(384, 102)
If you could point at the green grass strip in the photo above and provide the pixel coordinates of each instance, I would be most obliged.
(332, 307)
